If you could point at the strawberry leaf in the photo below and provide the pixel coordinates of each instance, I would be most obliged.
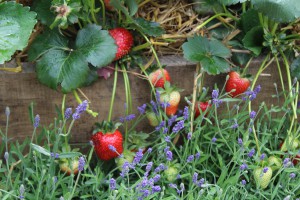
(44, 14)
(279, 11)
(253, 40)
(58, 66)
(210, 54)
(249, 20)
(96, 45)
(45, 42)
(148, 27)
(133, 6)
(231, 2)
(16, 25)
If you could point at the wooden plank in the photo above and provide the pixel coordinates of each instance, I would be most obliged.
(18, 90)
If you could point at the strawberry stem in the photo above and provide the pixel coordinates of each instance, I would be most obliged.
(128, 101)
(103, 12)
(92, 6)
(216, 16)
(113, 94)
(260, 70)
(288, 73)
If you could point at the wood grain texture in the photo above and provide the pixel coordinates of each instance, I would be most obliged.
(18, 90)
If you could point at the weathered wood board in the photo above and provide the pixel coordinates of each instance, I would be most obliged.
(18, 90)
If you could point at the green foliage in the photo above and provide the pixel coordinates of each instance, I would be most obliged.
(16, 25)
(149, 28)
(210, 54)
(230, 2)
(295, 68)
(253, 40)
(279, 11)
(58, 64)
(44, 13)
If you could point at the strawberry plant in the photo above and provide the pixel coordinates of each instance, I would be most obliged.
(210, 144)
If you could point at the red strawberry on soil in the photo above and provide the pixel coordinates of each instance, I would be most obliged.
(203, 106)
(159, 77)
(123, 40)
(236, 83)
(104, 142)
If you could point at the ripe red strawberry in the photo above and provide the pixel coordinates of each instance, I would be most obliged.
(152, 118)
(103, 142)
(261, 178)
(123, 40)
(107, 5)
(201, 105)
(69, 166)
(172, 99)
(235, 82)
(159, 77)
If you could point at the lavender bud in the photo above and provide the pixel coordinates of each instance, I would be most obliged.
(243, 182)
(262, 157)
(7, 111)
(189, 136)
(292, 175)
(81, 163)
(142, 109)
(68, 113)
(190, 158)
(252, 114)
(169, 155)
(251, 153)
(6, 155)
(112, 184)
(36, 121)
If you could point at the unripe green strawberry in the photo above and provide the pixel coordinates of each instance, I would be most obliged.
(171, 173)
(68, 166)
(127, 156)
(261, 178)
(274, 161)
(292, 144)
(152, 118)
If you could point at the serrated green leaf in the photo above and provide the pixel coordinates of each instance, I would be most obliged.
(231, 2)
(40, 149)
(148, 27)
(278, 10)
(46, 41)
(133, 6)
(295, 68)
(16, 25)
(249, 20)
(253, 40)
(96, 45)
(218, 49)
(211, 54)
(57, 66)
(215, 65)
(44, 14)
